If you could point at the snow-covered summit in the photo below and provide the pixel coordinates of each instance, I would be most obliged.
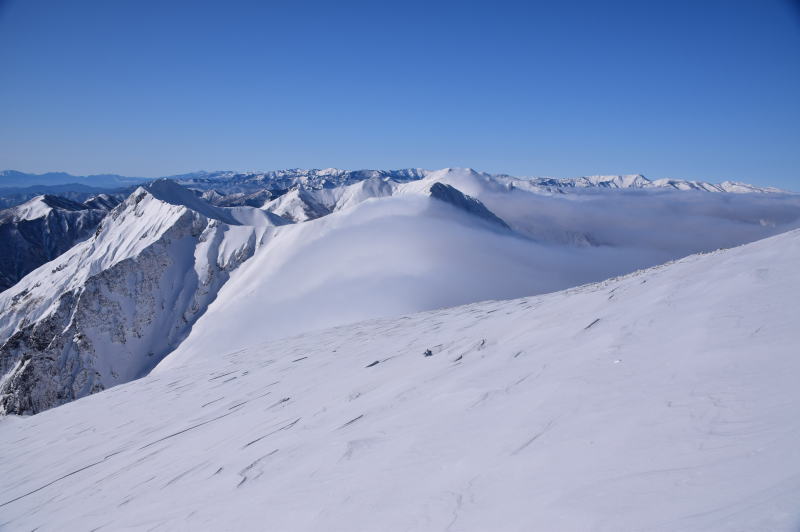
(39, 207)
(168, 191)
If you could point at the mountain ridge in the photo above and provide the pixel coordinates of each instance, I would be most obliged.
(166, 260)
(43, 228)
(239, 181)
(105, 311)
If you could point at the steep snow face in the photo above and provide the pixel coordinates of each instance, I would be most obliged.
(40, 230)
(664, 400)
(111, 307)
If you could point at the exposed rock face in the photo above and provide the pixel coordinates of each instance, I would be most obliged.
(455, 197)
(111, 307)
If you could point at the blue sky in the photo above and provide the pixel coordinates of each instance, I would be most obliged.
(686, 89)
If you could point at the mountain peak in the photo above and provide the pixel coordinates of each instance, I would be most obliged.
(40, 206)
(168, 191)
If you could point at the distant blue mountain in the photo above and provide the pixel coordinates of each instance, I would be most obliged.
(13, 178)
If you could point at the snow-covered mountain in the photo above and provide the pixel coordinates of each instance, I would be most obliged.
(301, 204)
(638, 181)
(663, 400)
(239, 199)
(111, 307)
(13, 196)
(228, 188)
(381, 248)
(280, 181)
(43, 228)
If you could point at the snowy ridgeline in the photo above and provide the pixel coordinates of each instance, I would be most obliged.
(169, 272)
(664, 400)
(15, 185)
(43, 228)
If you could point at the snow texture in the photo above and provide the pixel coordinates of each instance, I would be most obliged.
(663, 400)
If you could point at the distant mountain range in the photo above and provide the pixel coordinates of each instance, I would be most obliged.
(13, 178)
(279, 181)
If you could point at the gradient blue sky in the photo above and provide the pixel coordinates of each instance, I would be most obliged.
(687, 89)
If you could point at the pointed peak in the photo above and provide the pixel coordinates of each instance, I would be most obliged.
(104, 202)
(168, 191)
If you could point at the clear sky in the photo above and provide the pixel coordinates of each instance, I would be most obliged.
(698, 89)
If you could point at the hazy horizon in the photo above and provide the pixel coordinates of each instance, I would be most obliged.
(698, 91)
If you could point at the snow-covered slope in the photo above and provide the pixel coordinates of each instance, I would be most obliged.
(387, 256)
(382, 248)
(41, 229)
(375, 247)
(110, 308)
(664, 400)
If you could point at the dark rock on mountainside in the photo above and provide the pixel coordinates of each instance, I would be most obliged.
(43, 228)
